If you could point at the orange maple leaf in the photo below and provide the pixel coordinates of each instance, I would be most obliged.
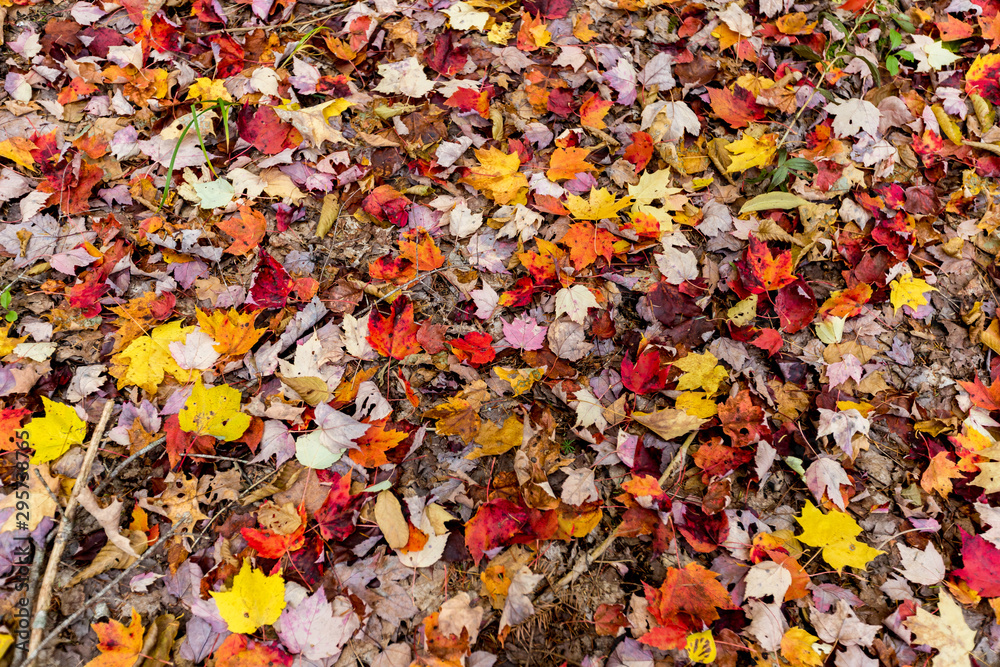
(991, 29)
(939, 474)
(419, 248)
(848, 302)
(239, 651)
(247, 229)
(119, 645)
(690, 597)
(232, 331)
(10, 424)
(987, 398)
(586, 243)
(763, 269)
(593, 110)
(396, 335)
(566, 163)
(375, 443)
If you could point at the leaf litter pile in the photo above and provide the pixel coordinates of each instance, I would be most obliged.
(486, 332)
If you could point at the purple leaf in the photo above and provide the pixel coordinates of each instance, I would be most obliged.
(524, 333)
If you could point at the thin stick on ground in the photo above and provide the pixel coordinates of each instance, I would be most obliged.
(678, 458)
(121, 466)
(69, 620)
(40, 617)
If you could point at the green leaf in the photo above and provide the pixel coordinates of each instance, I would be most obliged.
(892, 64)
(804, 51)
(778, 176)
(773, 200)
(873, 69)
(10, 316)
(904, 23)
(802, 164)
(895, 39)
(837, 23)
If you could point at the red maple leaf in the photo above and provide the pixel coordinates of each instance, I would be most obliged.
(386, 204)
(274, 545)
(494, 525)
(646, 375)
(271, 284)
(395, 335)
(261, 128)
(982, 565)
(796, 305)
(337, 515)
(475, 348)
(181, 444)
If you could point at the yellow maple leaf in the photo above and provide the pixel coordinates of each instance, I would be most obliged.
(494, 440)
(988, 478)
(214, 411)
(7, 344)
(909, 291)
(232, 331)
(147, 359)
(498, 177)
(602, 204)
(521, 380)
(254, 600)
(797, 648)
(835, 533)
(206, 89)
(51, 436)
(18, 150)
(750, 152)
(457, 416)
(501, 33)
(701, 371)
(697, 404)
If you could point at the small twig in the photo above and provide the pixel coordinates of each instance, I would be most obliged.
(399, 289)
(339, 9)
(34, 575)
(101, 593)
(678, 458)
(121, 466)
(62, 536)
(583, 563)
(819, 81)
